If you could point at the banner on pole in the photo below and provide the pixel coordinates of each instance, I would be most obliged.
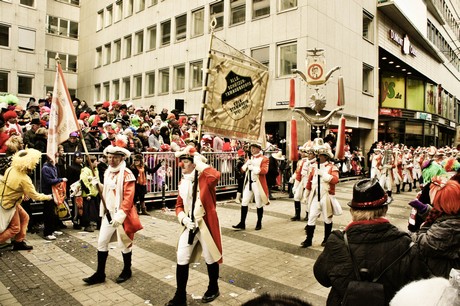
(236, 86)
(63, 120)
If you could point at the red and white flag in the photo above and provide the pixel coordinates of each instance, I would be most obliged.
(63, 120)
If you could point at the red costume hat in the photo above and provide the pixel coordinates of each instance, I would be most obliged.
(9, 115)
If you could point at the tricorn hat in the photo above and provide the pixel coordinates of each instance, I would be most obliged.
(256, 144)
(368, 194)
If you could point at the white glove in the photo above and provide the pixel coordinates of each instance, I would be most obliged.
(250, 167)
(320, 172)
(115, 223)
(64, 179)
(198, 161)
(188, 223)
(95, 181)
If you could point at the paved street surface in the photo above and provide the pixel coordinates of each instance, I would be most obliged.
(255, 262)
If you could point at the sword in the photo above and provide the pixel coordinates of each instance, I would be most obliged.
(192, 233)
(319, 181)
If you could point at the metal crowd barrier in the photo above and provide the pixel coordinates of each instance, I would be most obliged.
(163, 184)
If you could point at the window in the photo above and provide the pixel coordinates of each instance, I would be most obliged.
(97, 92)
(108, 54)
(164, 80)
(166, 33)
(261, 55)
(26, 39)
(287, 59)
(52, 26)
(129, 8)
(30, 3)
(25, 84)
(72, 63)
(368, 26)
(368, 79)
(108, 15)
(260, 8)
(73, 29)
(181, 27)
(179, 78)
(153, 2)
(150, 83)
(139, 42)
(217, 11)
(100, 20)
(237, 11)
(196, 75)
(284, 5)
(137, 86)
(106, 91)
(126, 88)
(140, 5)
(128, 46)
(152, 37)
(198, 22)
(3, 81)
(50, 60)
(118, 10)
(98, 56)
(4, 35)
(116, 89)
(117, 50)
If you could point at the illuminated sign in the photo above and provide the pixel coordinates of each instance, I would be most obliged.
(404, 42)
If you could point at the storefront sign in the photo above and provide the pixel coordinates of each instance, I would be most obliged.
(393, 91)
(282, 103)
(442, 121)
(423, 116)
(452, 124)
(404, 42)
(390, 112)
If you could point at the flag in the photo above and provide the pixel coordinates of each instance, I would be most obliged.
(63, 120)
(236, 88)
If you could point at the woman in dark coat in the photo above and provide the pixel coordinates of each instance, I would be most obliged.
(374, 243)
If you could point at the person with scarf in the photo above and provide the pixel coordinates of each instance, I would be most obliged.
(120, 220)
(140, 170)
(13, 186)
(374, 243)
(255, 185)
(196, 212)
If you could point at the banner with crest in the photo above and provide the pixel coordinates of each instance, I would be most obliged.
(236, 88)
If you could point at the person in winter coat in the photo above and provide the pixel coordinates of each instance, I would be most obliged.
(90, 194)
(374, 244)
(438, 240)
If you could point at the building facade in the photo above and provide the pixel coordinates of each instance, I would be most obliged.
(152, 52)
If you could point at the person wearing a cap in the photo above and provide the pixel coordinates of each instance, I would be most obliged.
(140, 171)
(15, 185)
(376, 163)
(407, 167)
(200, 224)
(155, 139)
(29, 135)
(72, 144)
(32, 111)
(273, 171)
(11, 122)
(118, 193)
(256, 169)
(374, 244)
(327, 176)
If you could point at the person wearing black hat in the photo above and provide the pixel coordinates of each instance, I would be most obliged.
(374, 244)
(29, 135)
(255, 186)
(196, 212)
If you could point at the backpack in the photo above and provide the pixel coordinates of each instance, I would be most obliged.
(363, 291)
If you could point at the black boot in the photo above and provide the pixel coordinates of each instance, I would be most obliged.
(180, 297)
(242, 224)
(309, 240)
(398, 189)
(327, 232)
(213, 288)
(99, 276)
(126, 273)
(410, 187)
(306, 217)
(260, 214)
(291, 195)
(415, 185)
(297, 211)
(21, 246)
(403, 187)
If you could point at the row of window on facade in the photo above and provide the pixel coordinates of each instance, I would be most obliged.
(237, 14)
(26, 37)
(31, 3)
(435, 36)
(25, 85)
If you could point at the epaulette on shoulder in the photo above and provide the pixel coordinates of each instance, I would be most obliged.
(129, 176)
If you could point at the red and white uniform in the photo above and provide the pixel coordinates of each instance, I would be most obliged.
(255, 182)
(407, 167)
(118, 192)
(329, 177)
(208, 240)
(376, 164)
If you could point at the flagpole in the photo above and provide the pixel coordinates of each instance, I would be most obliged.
(98, 186)
(205, 83)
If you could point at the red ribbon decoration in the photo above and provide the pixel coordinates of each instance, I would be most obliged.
(292, 93)
(294, 155)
